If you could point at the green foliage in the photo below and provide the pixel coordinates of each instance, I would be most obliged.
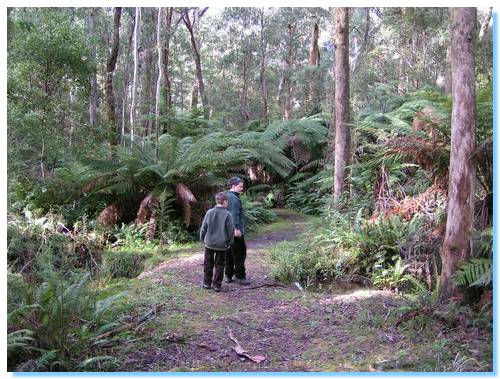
(299, 261)
(476, 272)
(379, 244)
(122, 264)
(48, 60)
(54, 323)
(256, 214)
(307, 193)
(393, 277)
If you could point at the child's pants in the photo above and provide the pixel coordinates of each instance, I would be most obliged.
(213, 258)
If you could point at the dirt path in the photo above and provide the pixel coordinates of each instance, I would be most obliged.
(339, 329)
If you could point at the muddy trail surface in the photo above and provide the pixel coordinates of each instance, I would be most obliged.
(280, 327)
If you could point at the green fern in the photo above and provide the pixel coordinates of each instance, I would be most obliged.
(476, 272)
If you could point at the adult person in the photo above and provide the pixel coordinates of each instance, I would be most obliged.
(235, 257)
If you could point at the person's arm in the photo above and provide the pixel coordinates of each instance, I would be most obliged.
(229, 231)
(204, 227)
(233, 207)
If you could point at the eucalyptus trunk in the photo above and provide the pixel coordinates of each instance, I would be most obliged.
(93, 76)
(108, 89)
(313, 65)
(244, 113)
(262, 76)
(287, 82)
(158, 83)
(165, 51)
(134, 83)
(457, 242)
(342, 132)
(197, 60)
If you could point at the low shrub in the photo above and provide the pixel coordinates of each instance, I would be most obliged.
(122, 264)
(256, 213)
(51, 327)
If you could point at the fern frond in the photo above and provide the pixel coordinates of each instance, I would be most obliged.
(476, 272)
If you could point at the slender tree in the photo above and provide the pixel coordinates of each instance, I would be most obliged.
(158, 82)
(108, 89)
(170, 28)
(287, 80)
(262, 75)
(457, 242)
(244, 90)
(342, 132)
(313, 65)
(483, 41)
(190, 23)
(93, 76)
(136, 62)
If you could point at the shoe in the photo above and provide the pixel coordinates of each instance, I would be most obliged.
(243, 281)
(228, 280)
(217, 289)
(206, 286)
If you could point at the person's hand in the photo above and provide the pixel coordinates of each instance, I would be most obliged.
(237, 233)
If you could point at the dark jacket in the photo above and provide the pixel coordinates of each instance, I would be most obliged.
(235, 208)
(217, 231)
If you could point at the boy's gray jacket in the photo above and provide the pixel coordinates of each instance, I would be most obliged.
(217, 231)
(236, 209)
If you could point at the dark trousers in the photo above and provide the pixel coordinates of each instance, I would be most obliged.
(235, 259)
(213, 258)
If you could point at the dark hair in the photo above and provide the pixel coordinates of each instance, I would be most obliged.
(220, 198)
(234, 181)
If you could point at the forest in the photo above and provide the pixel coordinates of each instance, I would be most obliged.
(363, 137)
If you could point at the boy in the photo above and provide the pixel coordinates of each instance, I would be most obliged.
(217, 234)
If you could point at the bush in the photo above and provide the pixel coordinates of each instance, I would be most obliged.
(299, 261)
(51, 326)
(38, 244)
(256, 213)
(121, 264)
(308, 194)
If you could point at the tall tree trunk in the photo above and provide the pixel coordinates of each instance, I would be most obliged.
(147, 89)
(447, 72)
(158, 83)
(367, 26)
(194, 95)
(287, 83)
(108, 89)
(457, 242)
(313, 65)
(262, 76)
(197, 59)
(72, 100)
(165, 58)
(136, 61)
(342, 132)
(244, 90)
(93, 76)
(126, 80)
(483, 40)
